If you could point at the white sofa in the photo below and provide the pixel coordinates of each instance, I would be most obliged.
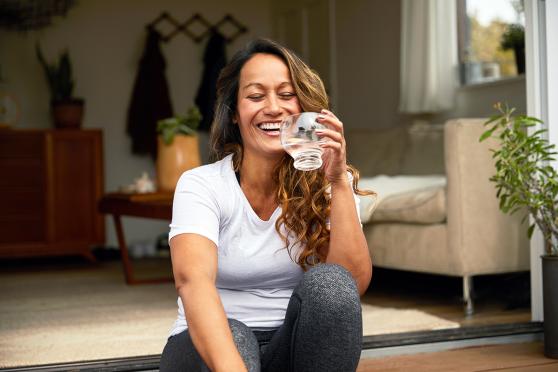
(436, 210)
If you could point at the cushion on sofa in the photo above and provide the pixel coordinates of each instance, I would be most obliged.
(424, 206)
(376, 151)
(410, 199)
(425, 152)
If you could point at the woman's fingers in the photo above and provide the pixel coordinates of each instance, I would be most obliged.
(332, 145)
(327, 118)
(331, 134)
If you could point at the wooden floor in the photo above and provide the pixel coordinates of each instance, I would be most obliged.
(510, 357)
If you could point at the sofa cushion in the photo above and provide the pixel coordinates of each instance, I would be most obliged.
(376, 151)
(409, 199)
(424, 206)
(425, 152)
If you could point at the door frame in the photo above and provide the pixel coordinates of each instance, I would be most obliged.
(541, 54)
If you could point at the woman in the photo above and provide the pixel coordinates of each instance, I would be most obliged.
(268, 261)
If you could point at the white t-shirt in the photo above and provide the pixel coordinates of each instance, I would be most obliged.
(256, 276)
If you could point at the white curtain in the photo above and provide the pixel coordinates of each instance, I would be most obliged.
(428, 55)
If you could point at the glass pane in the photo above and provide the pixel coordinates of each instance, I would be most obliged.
(494, 46)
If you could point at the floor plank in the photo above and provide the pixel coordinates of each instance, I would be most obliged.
(508, 357)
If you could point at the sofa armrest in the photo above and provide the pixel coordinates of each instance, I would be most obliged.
(486, 239)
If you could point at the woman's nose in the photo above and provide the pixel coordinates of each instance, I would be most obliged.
(272, 106)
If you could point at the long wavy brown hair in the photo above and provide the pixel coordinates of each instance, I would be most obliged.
(303, 196)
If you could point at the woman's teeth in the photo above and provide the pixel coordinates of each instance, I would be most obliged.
(269, 126)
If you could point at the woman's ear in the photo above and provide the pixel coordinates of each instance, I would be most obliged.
(235, 119)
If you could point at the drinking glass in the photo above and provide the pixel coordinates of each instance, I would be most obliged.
(299, 139)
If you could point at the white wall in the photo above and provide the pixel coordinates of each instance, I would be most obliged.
(367, 39)
(105, 40)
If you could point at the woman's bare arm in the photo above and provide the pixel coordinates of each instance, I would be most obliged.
(194, 262)
(347, 244)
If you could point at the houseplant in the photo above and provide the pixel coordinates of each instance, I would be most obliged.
(525, 179)
(177, 148)
(67, 111)
(514, 38)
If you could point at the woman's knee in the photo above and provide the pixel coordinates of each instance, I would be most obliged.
(246, 343)
(330, 285)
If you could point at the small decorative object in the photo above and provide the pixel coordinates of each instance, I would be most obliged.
(177, 148)
(144, 184)
(525, 179)
(514, 39)
(67, 111)
(141, 185)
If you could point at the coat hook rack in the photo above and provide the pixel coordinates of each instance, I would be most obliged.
(196, 21)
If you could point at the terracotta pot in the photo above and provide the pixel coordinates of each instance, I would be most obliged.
(174, 159)
(67, 114)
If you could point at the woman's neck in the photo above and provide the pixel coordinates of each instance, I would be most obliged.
(256, 181)
(256, 173)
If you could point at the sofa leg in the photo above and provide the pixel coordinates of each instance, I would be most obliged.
(468, 295)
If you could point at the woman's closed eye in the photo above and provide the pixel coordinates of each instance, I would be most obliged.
(256, 97)
(287, 95)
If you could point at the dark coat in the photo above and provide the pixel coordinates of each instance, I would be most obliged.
(150, 98)
(214, 60)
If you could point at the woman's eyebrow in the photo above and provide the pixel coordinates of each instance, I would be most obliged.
(257, 85)
(261, 86)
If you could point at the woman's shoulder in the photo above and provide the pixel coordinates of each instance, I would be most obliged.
(211, 175)
(221, 168)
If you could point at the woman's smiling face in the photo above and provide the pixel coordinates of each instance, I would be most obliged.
(265, 96)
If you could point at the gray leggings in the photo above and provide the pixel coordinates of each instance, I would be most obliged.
(322, 331)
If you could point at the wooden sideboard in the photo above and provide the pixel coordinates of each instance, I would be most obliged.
(50, 184)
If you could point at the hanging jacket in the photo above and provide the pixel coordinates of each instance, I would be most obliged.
(150, 100)
(214, 60)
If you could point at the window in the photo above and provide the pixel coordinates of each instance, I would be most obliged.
(491, 39)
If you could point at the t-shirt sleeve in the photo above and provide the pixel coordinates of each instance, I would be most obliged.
(195, 208)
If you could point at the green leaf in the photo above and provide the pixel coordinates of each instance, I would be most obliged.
(492, 119)
(487, 134)
(59, 75)
(179, 124)
(530, 230)
(168, 136)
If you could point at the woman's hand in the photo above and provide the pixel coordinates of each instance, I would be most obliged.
(334, 156)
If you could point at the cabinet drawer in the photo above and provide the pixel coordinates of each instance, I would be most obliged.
(20, 172)
(21, 145)
(21, 201)
(19, 229)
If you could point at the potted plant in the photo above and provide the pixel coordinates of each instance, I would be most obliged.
(525, 179)
(177, 148)
(67, 111)
(514, 38)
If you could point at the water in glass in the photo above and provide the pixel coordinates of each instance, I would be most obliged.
(299, 139)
